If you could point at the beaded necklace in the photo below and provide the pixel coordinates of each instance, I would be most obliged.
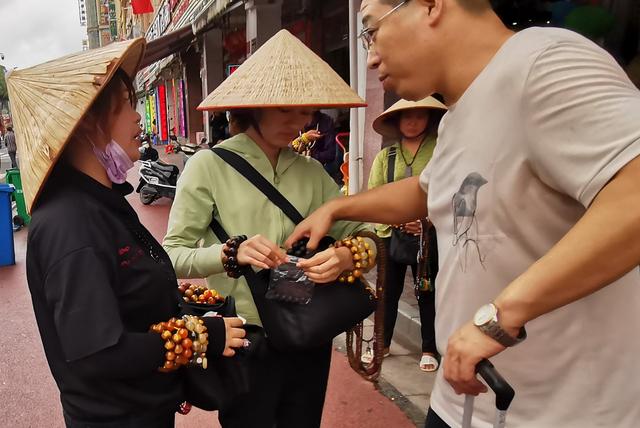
(408, 170)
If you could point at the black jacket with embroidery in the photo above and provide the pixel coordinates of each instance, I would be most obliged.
(98, 280)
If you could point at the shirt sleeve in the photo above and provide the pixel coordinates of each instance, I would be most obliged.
(582, 118)
(79, 290)
(189, 221)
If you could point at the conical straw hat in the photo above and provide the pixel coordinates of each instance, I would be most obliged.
(282, 73)
(385, 126)
(49, 100)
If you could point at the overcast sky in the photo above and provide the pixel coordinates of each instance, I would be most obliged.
(34, 31)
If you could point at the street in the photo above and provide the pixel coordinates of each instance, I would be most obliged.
(29, 395)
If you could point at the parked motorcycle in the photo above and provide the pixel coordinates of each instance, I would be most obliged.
(187, 150)
(157, 179)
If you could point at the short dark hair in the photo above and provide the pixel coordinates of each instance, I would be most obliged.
(9, 129)
(470, 5)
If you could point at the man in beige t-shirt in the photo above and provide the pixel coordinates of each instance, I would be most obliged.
(534, 192)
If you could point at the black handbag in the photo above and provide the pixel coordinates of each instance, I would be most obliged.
(403, 247)
(334, 307)
(225, 378)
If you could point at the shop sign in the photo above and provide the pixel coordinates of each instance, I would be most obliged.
(177, 14)
(231, 68)
(103, 13)
(113, 20)
(160, 24)
(105, 37)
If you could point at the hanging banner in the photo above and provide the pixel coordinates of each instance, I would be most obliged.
(183, 101)
(162, 95)
(147, 121)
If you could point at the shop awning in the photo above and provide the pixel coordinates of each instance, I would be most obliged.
(211, 11)
(168, 44)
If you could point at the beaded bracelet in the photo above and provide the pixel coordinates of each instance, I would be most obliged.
(230, 257)
(186, 340)
(192, 293)
(363, 257)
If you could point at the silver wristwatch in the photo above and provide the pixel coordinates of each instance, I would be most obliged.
(486, 319)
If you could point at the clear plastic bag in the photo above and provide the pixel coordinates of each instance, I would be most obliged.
(288, 283)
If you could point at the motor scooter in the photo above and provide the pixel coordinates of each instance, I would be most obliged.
(157, 179)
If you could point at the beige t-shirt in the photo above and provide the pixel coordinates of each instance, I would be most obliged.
(520, 156)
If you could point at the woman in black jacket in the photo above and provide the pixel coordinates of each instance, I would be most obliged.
(103, 290)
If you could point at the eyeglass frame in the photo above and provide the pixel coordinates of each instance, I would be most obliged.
(366, 35)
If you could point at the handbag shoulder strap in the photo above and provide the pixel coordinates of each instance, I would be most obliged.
(391, 164)
(249, 172)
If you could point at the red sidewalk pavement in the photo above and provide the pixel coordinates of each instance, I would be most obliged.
(29, 397)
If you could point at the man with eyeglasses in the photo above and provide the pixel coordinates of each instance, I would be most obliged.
(533, 189)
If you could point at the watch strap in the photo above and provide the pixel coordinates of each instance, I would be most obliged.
(495, 331)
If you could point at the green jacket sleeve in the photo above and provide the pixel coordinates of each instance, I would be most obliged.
(377, 176)
(189, 222)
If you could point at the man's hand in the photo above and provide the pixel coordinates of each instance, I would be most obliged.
(465, 349)
(326, 266)
(412, 228)
(315, 227)
(234, 336)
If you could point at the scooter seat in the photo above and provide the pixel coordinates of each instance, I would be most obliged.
(165, 167)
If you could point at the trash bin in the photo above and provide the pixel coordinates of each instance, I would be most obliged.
(7, 252)
(13, 177)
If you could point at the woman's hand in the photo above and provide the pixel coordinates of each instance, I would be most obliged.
(234, 336)
(327, 265)
(260, 252)
(313, 135)
(413, 228)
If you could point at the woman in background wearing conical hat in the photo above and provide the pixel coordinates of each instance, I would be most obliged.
(272, 96)
(413, 126)
(97, 277)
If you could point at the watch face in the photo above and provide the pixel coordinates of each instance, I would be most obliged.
(485, 314)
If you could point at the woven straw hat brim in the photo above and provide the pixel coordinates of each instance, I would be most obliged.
(283, 73)
(385, 126)
(49, 100)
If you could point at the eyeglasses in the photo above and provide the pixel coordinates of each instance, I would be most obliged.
(367, 34)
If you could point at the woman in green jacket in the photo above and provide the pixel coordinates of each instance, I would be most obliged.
(414, 126)
(272, 96)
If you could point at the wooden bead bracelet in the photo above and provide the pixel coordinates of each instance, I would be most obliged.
(186, 340)
(199, 294)
(230, 256)
(363, 257)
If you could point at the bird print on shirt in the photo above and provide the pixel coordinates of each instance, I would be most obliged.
(465, 225)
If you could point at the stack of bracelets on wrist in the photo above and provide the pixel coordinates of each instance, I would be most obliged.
(230, 258)
(186, 340)
(363, 257)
